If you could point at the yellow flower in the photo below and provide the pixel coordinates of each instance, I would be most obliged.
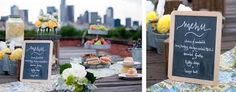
(38, 23)
(151, 16)
(50, 24)
(55, 24)
(163, 25)
(1, 55)
(16, 54)
(6, 50)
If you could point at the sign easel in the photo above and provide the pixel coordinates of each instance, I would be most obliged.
(195, 44)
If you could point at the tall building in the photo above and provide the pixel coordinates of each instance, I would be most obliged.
(70, 13)
(109, 17)
(4, 18)
(80, 20)
(117, 23)
(86, 17)
(128, 22)
(24, 15)
(51, 10)
(135, 23)
(3, 23)
(99, 20)
(105, 19)
(63, 12)
(95, 18)
(15, 10)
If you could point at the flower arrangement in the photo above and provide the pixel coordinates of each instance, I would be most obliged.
(1, 55)
(47, 22)
(16, 55)
(163, 25)
(3, 52)
(77, 77)
(13, 55)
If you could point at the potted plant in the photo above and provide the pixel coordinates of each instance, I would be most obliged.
(158, 31)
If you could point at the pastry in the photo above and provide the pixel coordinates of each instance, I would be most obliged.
(87, 56)
(132, 72)
(128, 61)
(92, 61)
(125, 69)
(105, 60)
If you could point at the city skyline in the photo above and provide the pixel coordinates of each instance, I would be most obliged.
(101, 9)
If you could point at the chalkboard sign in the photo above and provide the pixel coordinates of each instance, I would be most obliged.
(36, 61)
(194, 50)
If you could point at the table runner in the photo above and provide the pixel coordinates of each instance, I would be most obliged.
(56, 81)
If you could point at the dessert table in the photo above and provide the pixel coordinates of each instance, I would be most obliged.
(106, 82)
(227, 79)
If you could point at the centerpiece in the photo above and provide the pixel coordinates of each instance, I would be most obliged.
(47, 29)
(76, 78)
(10, 61)
(47, 26)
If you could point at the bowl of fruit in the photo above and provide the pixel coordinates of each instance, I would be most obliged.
(98, 43)
(98, 29)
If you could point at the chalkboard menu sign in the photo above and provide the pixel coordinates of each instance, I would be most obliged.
(36, 61)
(194, 50)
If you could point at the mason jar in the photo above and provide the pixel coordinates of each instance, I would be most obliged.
(15, 30)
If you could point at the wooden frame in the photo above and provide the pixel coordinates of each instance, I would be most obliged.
(217, 46)
(49, 62)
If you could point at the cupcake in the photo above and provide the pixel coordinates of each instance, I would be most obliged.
(132, 72)
(128, 61)
(105, 60)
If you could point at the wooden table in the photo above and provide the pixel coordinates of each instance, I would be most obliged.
(114, 84)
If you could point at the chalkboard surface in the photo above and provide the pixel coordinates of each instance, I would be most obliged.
(194, 44)
(36, 60)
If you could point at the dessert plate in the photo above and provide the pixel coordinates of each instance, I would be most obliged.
(123, 76)
(135, 63)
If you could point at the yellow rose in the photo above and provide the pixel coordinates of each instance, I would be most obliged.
(163, 25)
(151, 16)
(55, 24)
(6, 50)
(38, 23)
(50, 24)
(1, 55)
(16, 55)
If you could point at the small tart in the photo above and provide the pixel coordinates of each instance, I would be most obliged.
(132, 72)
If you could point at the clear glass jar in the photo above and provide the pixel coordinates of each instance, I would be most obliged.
(15, 30)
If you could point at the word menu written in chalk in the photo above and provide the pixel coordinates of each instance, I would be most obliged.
(193, 47)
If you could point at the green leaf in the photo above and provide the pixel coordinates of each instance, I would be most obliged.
(90, 77)
(63, 67)
(70, 80)
(79, 88)
(235, 64)
(84, 80)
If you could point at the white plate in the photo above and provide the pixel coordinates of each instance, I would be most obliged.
(135, 63)
(123, 76)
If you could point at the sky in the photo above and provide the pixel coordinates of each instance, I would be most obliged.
(122, 8)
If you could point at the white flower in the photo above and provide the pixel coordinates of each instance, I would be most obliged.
(78, 71)
(66, 73)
